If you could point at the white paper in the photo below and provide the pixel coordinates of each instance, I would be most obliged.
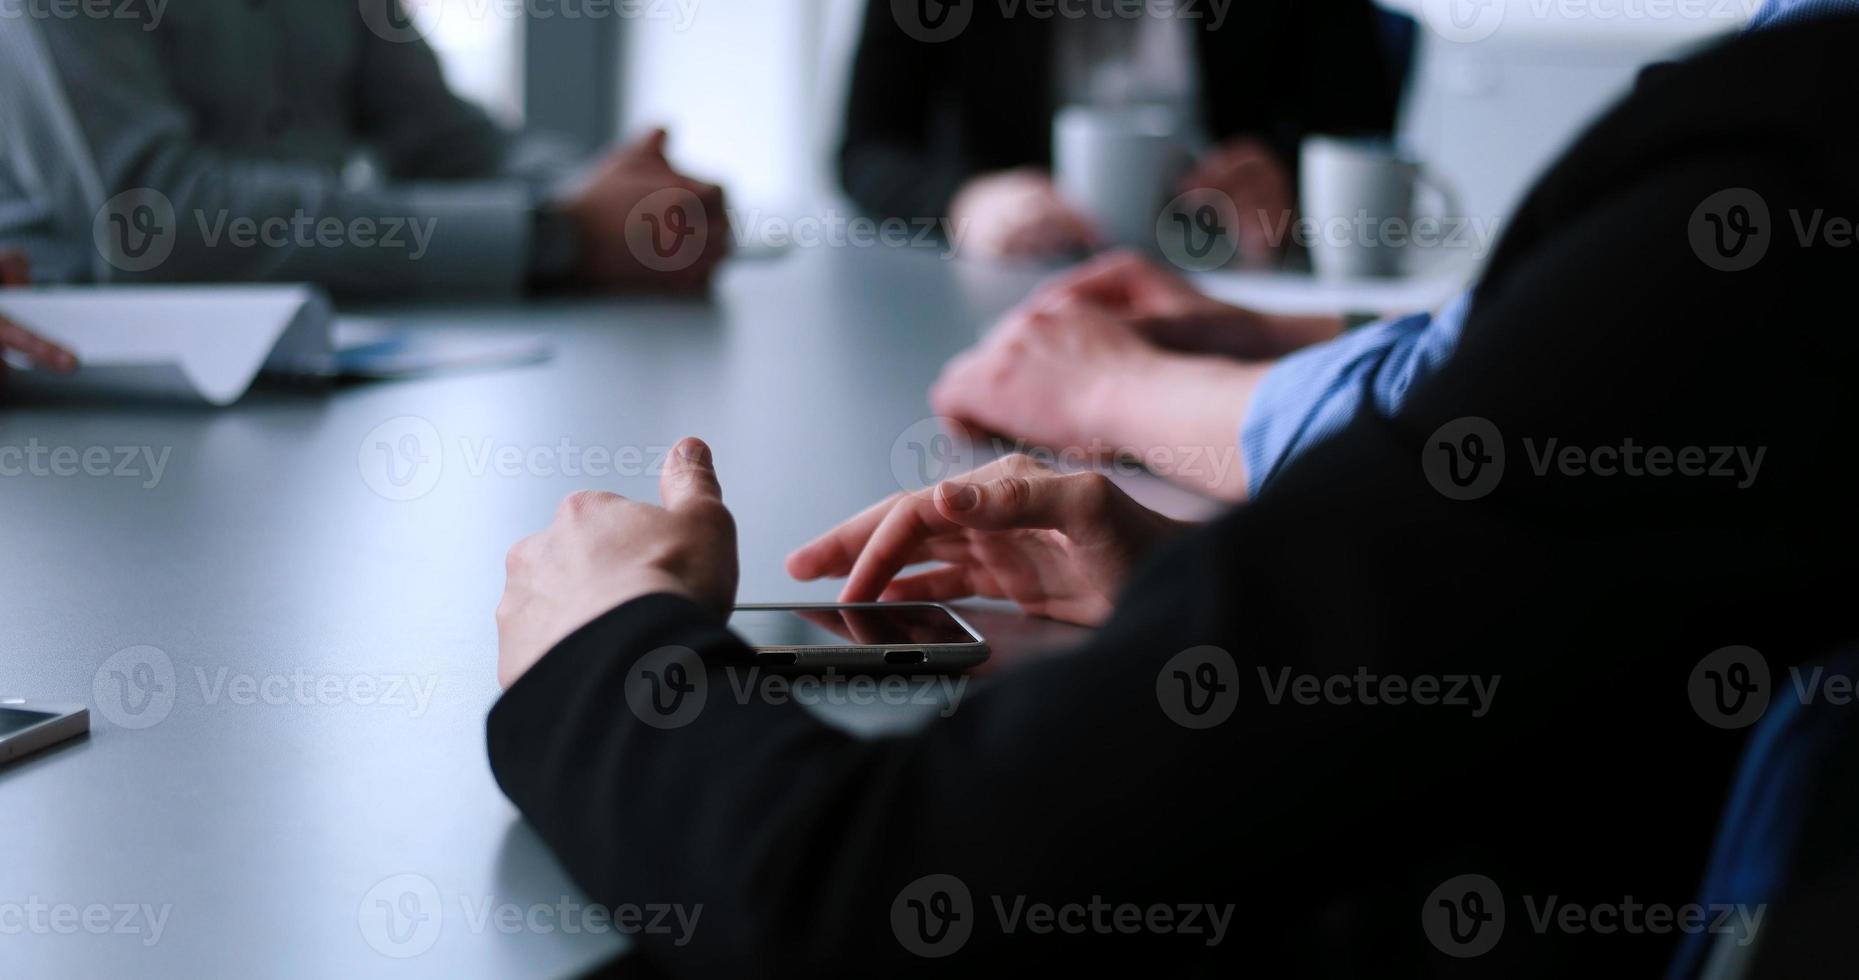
(186, 343)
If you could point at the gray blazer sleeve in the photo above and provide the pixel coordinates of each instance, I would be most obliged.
(422, 131)
(49, 190)
(457, 212)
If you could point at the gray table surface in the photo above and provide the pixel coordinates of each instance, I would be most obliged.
(288, 665)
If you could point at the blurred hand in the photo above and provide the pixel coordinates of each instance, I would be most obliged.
(633, 236)
(1066, 373)
(1128, 285)
(1259, 184)
(1060, 546)
(1019, 214)
(39, 352)
(604, 550)
(1168, 310)
(1053, 374)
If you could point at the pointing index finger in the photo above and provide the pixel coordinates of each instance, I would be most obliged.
(896, 543)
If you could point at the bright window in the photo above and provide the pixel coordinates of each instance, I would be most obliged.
(480, 44)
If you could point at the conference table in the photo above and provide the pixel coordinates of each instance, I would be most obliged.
(280, 615)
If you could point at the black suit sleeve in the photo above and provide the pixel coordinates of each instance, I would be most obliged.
(892, 163)
(1340, 80)
(1288, 69)
(1580, 600)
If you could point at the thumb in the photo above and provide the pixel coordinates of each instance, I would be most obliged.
(1057, 503)
(1076, 305)
(689, 478)
(651, 146)
(1107, 279)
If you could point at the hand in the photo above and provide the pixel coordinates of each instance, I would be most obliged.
(604, 550)
(1019, 214)
(1067, 374)
(1259, 184)
(39, 352)
(1051, 373)
(633, 236)
(1060, 546)
(1130, 286)
(1168, 310)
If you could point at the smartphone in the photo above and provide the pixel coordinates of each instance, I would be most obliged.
(26, 727)
(863, 637)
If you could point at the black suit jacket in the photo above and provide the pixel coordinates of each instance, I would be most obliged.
(1591, 780)
(924, 116)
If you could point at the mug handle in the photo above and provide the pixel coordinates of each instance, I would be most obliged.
(1450, 206)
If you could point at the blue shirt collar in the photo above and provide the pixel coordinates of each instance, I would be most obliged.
(1776, 12)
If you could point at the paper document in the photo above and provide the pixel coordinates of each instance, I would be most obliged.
(199, 344)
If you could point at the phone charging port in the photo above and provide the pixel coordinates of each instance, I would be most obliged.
(904, 658)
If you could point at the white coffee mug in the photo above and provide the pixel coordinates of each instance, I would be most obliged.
(1119, 166)
(1358, 205)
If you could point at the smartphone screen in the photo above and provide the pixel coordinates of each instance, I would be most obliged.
(13, 720)
(898, 625)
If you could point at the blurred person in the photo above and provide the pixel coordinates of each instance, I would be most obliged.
(1127, 355)
(315, 142)
(16, 340)
(961, 128)
(1153, 767)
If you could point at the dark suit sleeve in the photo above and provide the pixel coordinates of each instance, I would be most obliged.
(890, 163)
(1340, 64)
(1581, 600)
(1289, 69)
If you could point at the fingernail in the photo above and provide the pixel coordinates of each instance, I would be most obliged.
(694, 451)
(964, 497)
